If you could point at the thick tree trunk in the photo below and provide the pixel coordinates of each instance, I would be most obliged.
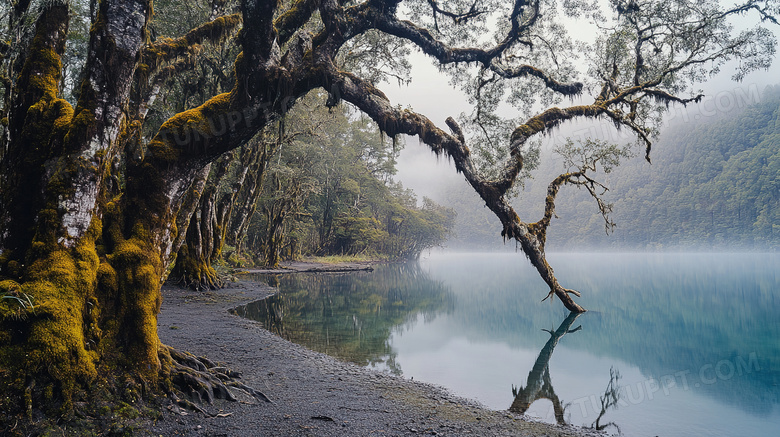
(88, 234)
(89, 229)
(80, 290)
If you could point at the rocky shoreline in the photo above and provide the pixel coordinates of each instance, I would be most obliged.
(311, 394)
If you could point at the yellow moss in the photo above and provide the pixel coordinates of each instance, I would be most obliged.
(46, 119)
(81, 126)
(112, 207)
(147, 277)
(43, 73)
(65, 111)
(166, 50)
(60, 283)
(134, 273)
(9, 286)
(14, 304)
(191, 129)
(106, 277)
(126, 252)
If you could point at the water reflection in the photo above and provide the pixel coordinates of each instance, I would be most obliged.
(707, 322)
(695, 336)
(610, 399)
(349, 316)
(538, 384)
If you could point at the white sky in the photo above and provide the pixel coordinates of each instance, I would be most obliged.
(431, 94)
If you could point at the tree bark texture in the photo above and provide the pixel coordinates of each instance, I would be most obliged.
(82, 255)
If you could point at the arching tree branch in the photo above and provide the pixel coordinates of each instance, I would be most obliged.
(489, 58)
(168, 50)
(294, 18)
(396, 121)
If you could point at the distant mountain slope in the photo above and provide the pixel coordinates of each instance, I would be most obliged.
(712, 185)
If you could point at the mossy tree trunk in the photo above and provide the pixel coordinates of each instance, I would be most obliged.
(89, 224)
(77, 284)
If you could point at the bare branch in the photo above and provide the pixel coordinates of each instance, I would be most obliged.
(456, 17)
(489, 58)
(566, 89)
(395, 121)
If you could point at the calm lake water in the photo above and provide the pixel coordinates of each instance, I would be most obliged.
(695, 338)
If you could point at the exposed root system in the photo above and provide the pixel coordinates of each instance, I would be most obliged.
(197, 381)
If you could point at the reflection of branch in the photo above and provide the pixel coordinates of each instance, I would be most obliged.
(609, 400)
(539, 385)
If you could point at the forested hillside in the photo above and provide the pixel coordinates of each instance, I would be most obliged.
(713, 184)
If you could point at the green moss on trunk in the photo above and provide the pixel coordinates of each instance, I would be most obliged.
(51, 339)
(192, 270)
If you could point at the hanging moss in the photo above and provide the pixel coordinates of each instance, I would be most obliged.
(292, 19)
(167, 50)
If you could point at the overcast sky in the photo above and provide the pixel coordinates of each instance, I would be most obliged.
(430, 94)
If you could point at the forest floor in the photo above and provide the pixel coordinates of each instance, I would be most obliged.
(311, 393)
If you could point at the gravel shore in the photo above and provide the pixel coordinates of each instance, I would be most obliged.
(312, 394)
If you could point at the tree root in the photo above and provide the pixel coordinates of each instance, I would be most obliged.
(199, 380)
(206, 280)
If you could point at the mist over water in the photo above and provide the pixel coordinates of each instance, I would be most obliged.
(693, 336)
